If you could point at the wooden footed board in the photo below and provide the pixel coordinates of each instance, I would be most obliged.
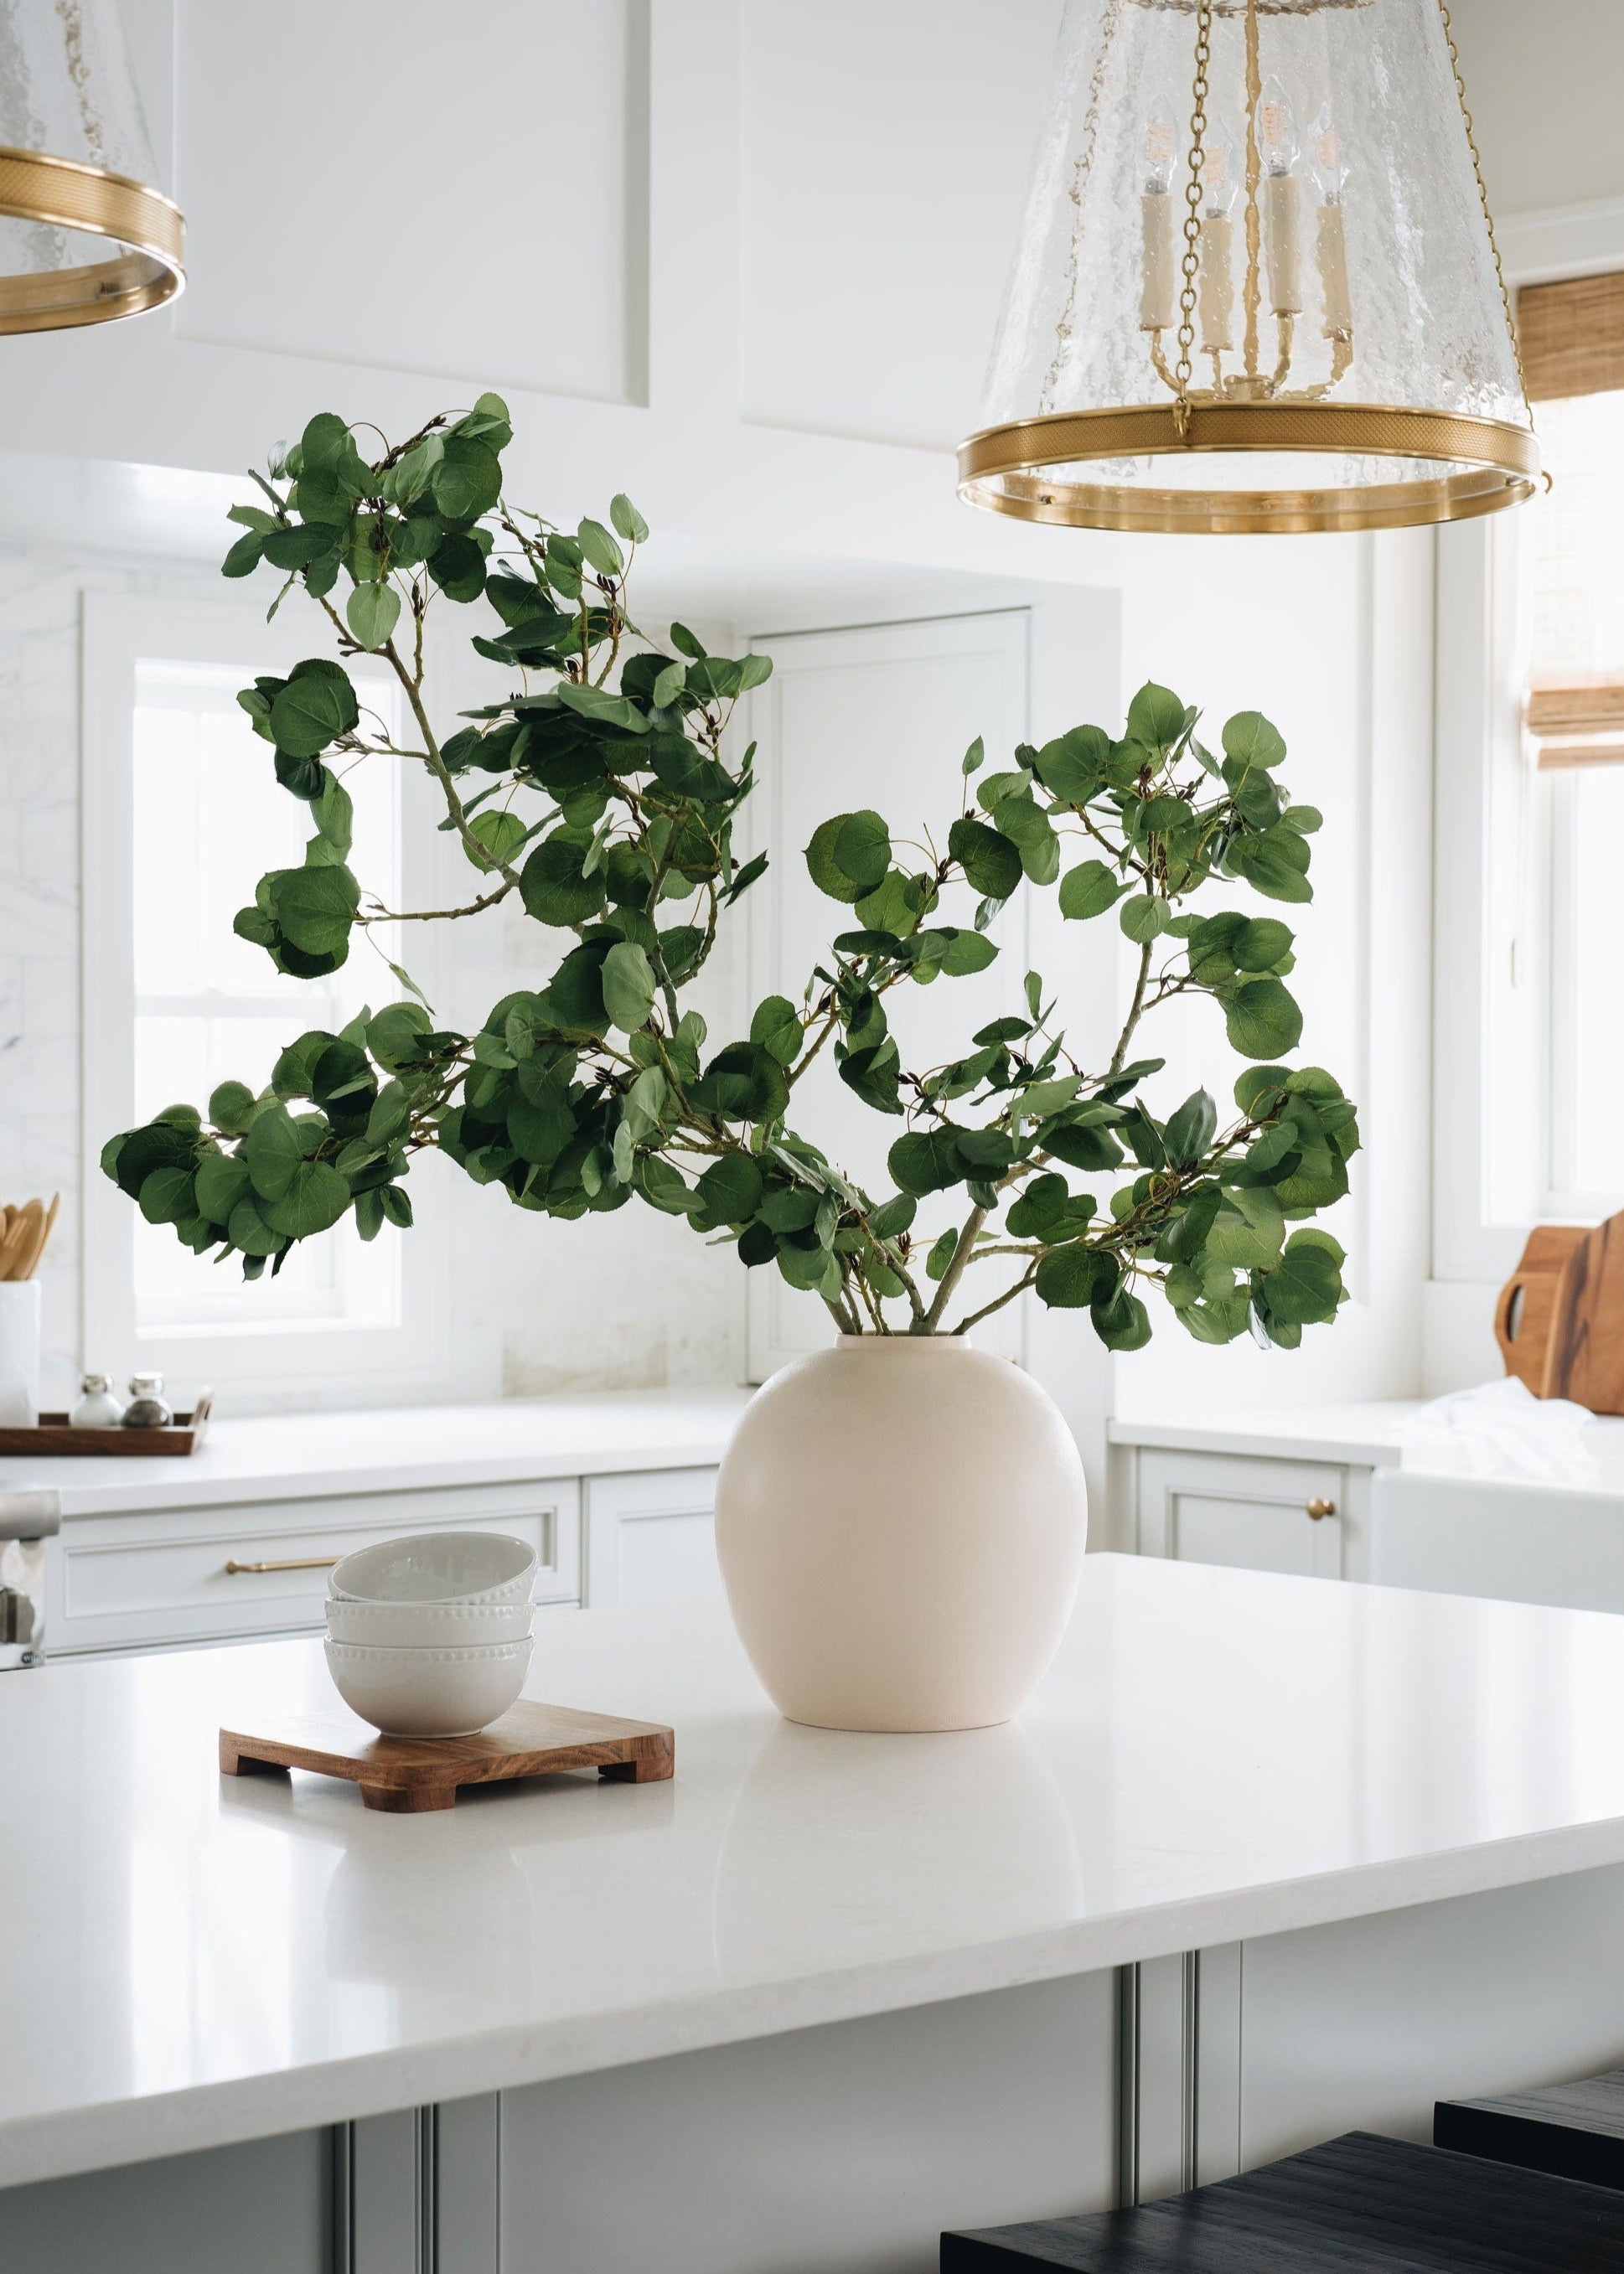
(408, 1776)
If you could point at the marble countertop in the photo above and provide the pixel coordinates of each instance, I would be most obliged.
(1370, 1435)
(396, 1449)
(191, 1960)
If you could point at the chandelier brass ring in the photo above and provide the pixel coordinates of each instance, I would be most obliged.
(62, 193)
(1013, 468)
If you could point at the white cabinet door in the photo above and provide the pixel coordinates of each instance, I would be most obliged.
(1257, 1515)
(876, 717)
(650, 1539)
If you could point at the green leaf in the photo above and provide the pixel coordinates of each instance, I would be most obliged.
(315, 907)
(458, 565)
(541, 1119)
(1073, 766)
(731, 1188)
(942, 1253)
(1121, 1321)
(229, 1107)
(927, 1160)
(245, 556)
(628, 521)
(1070, 1278)
(1261, 942)
(315, 707)
(553, 883)
(975, 756)
(597, 702)
(1305, 1286)
(849, 854)
(629, 986)
(314, 1199)
(1155, 718)
(1250, 737)
(1247, 1233)
(1263, 1019)
(272, 1152)
(166, 1196)
(894, 1217)
(333, 811)
(222, 1180)
(500, 835)
(467, 479)
(599, 549)
(1144, 918)
(1191, 1130)
(249, 1231)
(1088, 890)
(743, 1083)
(966, 952)
(776, 1025)
(991, 863)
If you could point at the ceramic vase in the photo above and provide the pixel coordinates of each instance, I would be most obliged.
(900, 1522)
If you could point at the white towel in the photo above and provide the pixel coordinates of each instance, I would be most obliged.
(1501, 1429)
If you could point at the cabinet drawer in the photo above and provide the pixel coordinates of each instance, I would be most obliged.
(1257, 1515)
(650, 1539)
(203, 1574)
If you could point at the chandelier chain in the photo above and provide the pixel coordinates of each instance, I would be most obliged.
(1192, 217)
(1483, 196)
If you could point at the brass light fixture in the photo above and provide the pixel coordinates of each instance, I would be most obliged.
(1256, 286)
(84, 236)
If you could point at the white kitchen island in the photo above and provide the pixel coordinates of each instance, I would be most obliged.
(1266, 1858)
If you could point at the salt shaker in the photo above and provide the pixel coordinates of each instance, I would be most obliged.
(147, 1408)
(97, 1407)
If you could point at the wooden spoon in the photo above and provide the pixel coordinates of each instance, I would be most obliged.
(30, 1262)
(19, 1239)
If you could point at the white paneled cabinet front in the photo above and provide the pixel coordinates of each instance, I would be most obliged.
(650, 1537)
(876, 717)
(1258, 1515)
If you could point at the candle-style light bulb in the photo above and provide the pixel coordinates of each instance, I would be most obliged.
(1279, 149)
(1162, 143)
(1277, 129)
(1220, 186)
(1326, 156)
(1330, 171)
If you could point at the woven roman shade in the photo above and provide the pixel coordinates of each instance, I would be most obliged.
(1572, 338)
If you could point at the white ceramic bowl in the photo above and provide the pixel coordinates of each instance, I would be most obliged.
(427, 1626)
(428, 1693)
(437, 1567)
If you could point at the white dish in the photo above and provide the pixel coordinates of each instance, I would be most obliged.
(428, 1693)
(437, 1567)
(427, 1626)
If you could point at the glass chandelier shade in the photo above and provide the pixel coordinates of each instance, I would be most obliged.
(1256, 285)
(84, 235)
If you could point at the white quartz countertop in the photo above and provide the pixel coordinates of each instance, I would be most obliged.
(392, 1449)
(191, 1959)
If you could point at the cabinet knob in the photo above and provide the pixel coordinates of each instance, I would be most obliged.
(1316, 1509)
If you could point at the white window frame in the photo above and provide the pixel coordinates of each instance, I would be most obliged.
(320, 1362)
(1495, 856)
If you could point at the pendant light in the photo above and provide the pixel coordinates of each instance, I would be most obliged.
(84, 235)
(1256, 285)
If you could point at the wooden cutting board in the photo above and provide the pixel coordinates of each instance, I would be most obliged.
(409, 1775)
(1559, 1320)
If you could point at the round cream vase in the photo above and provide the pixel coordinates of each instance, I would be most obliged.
(900, 1522)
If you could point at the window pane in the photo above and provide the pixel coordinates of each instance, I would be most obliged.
(210, 819)
(1587, 1021)
(1577, 532)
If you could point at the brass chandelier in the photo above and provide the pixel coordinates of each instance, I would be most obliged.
(84, 235)
(1256, 286)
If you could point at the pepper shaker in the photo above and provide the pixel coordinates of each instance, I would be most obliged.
(147, 1408)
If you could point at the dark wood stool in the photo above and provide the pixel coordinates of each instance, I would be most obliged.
(1358, 2205)
(1576, 2130)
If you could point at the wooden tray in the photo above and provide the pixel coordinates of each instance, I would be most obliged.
(54, 1437)
(408, 1775)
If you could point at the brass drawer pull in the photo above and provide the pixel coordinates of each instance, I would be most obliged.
(1317, 1510)
(288, 1563)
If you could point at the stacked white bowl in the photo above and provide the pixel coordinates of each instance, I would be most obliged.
(429, 1636)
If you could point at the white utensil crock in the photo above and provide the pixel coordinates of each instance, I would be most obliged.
(19, 1353)
(901, 1522)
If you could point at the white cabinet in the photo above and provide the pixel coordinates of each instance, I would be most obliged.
(650, 1539)
(1259, 1514)
(210, 1574)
